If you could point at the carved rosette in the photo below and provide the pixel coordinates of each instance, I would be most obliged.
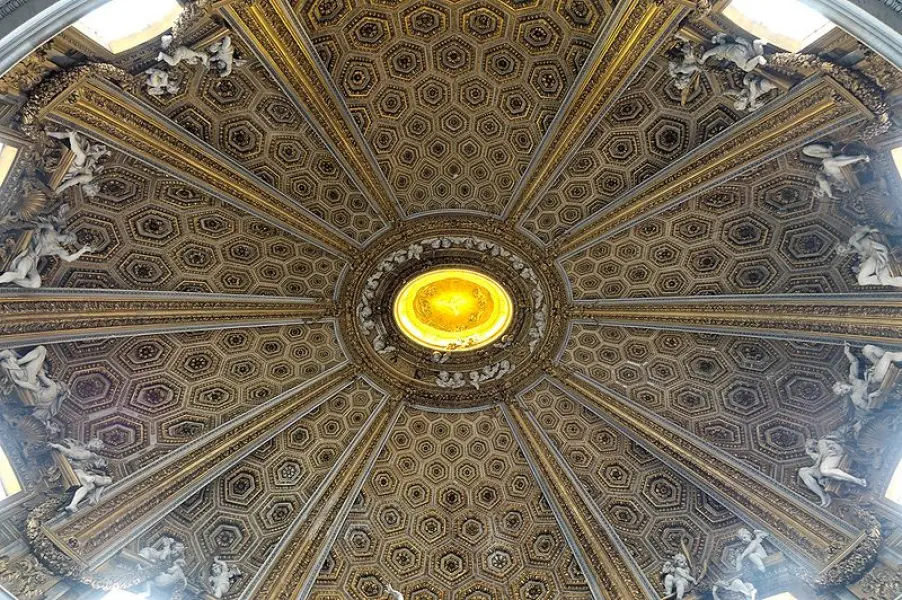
(533, 337)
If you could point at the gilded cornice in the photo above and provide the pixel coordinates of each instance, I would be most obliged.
(292, 575)
(803, 530)
(835, 318)
(810, 111)
(108, 113)
(633, 31)
(43, 316)
(93, 535)
(611, 567)
(359, 445)
(273, 33)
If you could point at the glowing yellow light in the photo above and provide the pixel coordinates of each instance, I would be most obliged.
(453, 309)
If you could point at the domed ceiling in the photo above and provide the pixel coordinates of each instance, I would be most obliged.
(475, 299)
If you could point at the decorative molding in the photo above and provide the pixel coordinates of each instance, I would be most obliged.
(48, 315)
(806, 532)
(810, 111)
(271, 29)
(93, 535)
(634, 30)
(605, 562)
(295, 571)
(346, 458)
(106, 112)
(830, 318)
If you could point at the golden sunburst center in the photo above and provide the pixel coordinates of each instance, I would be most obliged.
(453, 309)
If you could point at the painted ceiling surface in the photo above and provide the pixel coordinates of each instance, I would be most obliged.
(679, 307)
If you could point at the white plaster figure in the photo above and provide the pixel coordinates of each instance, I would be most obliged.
(222, 56)
(221, 577)
(678, 577)
(735, 585)
(173, 56)
(86, 164)
(739, 51)
(28, 373)
(748, 99)
(685, 70)
(171, 579)
(45, 241)
(159, 82)
(827, 454)
(164, 550)
(831, 176)
(875, 258)
(754, 550)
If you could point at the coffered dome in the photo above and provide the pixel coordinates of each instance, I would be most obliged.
(533, 299)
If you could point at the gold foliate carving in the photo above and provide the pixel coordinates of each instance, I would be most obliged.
(27, 73)
(857, 561)
(59, 82)
(862, 87)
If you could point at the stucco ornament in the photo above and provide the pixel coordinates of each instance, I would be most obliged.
(86, 164)
(678, 578)
(865, 389)
(46, 240)
(737, 586)
(172, 54)
(876, 261)
(754, 550)
(159, 83)
(744, 54)
(393, 593)
(90, 469)
(221, 577)
(222, 56)
(165, 549)
(749, 98)
(828, 454)
(685, 67)
(418, 252)
(27, 373)
(831, 175)
(171, 581)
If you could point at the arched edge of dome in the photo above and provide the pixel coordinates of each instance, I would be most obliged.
(34, 22)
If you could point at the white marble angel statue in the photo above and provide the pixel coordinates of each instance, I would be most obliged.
(831, 175)
(448, 380)
(875, 257)
(685, 69)
(92, 485)
(678, 576)
(86, 164)
(221, 577)
(159, 83)
(735, 585)
(164, 550)
(22, 371)
(393, 593)
(82, 454)
(46, 240)
(863, 390)
(827, 454)
(749, 97)
(170, 580)
(754, 550)
(222, 56)
(173, 56)
(744, 54)
(27, 373)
